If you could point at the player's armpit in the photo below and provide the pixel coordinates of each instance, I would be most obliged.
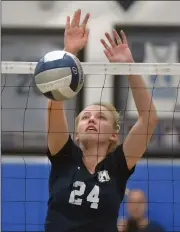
(57, 127)
(137, 140)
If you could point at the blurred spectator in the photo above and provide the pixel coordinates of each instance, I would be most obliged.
(137, 221)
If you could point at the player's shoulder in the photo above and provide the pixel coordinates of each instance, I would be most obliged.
(70, 150)
(116, 163)
(116, 157)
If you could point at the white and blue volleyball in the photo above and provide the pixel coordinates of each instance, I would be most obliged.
(59, 75)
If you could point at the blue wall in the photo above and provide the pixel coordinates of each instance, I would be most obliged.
(25, 192)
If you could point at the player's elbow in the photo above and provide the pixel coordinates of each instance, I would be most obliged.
(151, 119)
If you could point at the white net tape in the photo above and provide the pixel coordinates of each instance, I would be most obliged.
(101, 68)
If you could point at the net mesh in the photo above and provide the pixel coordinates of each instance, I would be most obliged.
(25, 168)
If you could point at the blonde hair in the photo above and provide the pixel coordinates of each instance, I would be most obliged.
(116, 119)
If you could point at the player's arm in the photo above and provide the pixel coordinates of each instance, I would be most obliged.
(57, 126)
(75, 38)
(139, 136)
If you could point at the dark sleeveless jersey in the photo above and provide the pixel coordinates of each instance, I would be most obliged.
(83, 202)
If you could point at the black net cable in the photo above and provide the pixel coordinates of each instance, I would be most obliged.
(124, 118)
(25, 191)
(3, 86)
(147, 144)
(122, 125)
(172, 160)
(75, 115)
(100, 100)
(73, 133)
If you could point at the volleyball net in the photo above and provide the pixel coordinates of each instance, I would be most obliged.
(25, 168)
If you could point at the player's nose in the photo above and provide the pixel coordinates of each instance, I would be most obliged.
(92, 120)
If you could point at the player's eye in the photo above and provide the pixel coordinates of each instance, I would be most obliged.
(85, 117)
(102, 117)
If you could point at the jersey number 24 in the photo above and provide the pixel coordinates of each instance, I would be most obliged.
(92, 197)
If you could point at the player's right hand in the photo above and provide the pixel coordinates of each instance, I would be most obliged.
(76, 34)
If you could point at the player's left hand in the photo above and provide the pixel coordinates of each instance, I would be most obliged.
(118, 51)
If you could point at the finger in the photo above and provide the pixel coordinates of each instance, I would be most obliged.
(106, 47)
(67, 22)
(73, 22)
(76, 18)
(111, 41)
(86, 34)
(117, 37)
(85, 20)
(108, 55)
(124, 38)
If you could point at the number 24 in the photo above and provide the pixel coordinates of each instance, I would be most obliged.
(93, 196)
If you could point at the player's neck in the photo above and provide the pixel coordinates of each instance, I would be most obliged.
(93, 154)
(93, 149)
(91, 163)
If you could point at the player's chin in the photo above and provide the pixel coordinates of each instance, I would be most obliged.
(95, 137)
(91, 135)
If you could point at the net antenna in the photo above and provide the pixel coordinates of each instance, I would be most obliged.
(8, 67)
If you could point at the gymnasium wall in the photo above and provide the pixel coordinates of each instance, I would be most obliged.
(104, 16)
(25, 192)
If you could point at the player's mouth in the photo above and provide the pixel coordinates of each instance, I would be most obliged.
(91, 128)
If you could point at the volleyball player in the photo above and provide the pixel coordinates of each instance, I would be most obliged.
(88, 175)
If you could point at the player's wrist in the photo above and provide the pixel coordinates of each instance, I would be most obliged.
(131, 60)
(70, 50)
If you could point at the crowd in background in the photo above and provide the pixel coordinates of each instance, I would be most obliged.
(137, 220)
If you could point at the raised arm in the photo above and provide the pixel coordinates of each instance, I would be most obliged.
(139, 136)
(75, 38)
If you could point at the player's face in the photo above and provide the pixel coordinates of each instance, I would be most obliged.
(136, 205)
(96, 123)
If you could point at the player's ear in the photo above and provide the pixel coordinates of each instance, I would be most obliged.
(76, 137)
(114, 137)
